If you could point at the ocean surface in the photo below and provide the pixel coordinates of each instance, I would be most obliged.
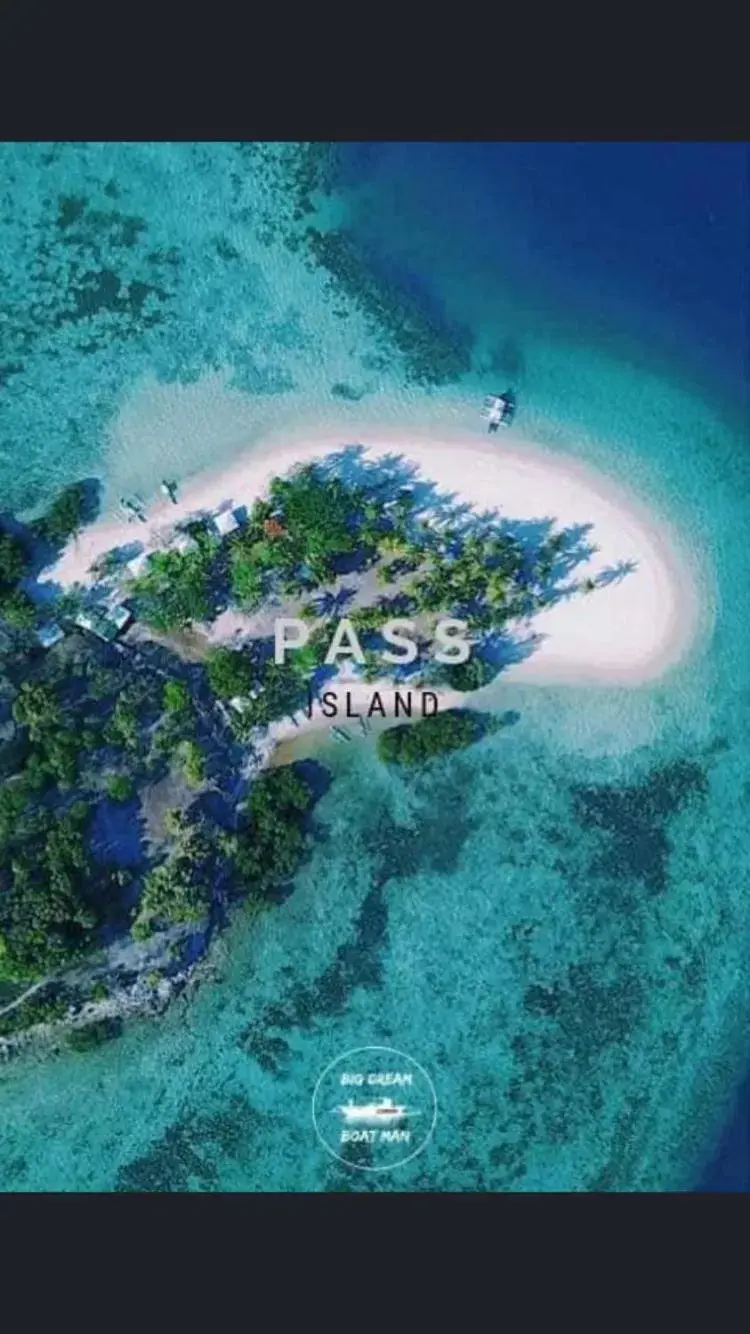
(555, 924)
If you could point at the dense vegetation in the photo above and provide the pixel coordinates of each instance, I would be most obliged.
(421, 741)
(293, 539)
(269, 845)
(38, 1009)
(91, 730)
(12, 560)
(16, 607)
(235, 674)
(176, 590)
(47, 900)
(85, 730)
(65, 516)
(231, 672)
(81, 725)
(178, 891)
(294, 545)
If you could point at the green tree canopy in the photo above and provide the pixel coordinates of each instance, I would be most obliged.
(120, 787)
(65, 516)
(192, 762)
(176, 698)
(13, 560)
(420, 741)
(179, 890)
(17, 608)
(46, 915)
(37, 707)
(267, 849)
(230, 672)
(320, 516)
(176, 590)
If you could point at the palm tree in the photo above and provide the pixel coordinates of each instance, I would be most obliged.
(497, 589)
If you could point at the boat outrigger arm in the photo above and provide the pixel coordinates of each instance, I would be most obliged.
(132, 508)
(341, 734)
(499, 409)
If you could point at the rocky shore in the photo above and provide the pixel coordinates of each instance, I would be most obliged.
(102, 1018)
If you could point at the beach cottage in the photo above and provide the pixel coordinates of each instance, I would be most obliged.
(138, 565)
(225, 522)
(182, 543)
(120, 616)
(105, 625)
(86, 622)
(50, 633)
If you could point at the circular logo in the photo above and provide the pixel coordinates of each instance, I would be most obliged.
(374, 1108)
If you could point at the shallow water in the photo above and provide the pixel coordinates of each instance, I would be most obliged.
(554, 923)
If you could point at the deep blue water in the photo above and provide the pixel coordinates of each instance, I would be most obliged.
(648, 238)
(728, 1168)
(648, 243)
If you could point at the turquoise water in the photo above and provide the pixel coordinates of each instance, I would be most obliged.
(554, 923)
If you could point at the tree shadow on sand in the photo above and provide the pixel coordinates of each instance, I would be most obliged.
(333, 603)
(546, 559)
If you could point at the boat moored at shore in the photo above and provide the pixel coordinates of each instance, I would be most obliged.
(499, 410)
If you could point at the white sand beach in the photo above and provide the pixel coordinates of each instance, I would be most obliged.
(627, 632)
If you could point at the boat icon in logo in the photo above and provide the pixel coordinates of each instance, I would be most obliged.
(382, 1112)
(374, 1108)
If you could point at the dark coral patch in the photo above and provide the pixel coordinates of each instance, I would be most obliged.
(637, 819)
(185, 1157)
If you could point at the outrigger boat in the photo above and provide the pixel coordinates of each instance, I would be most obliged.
(499, 409)
(340, 734)
(169, 489)
(133, 509)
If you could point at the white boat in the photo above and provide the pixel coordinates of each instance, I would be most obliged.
(499, 409)
(382, 1112)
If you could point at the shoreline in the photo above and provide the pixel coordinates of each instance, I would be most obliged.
(290, 738)
(627, 633)
(130, 1002)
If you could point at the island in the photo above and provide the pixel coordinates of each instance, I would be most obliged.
(446, 732)
(141, 701)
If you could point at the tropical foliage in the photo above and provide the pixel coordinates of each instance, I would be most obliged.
(230, 672)
(17, 609)
(88, 725)
(192, 762)
(421, 741)
(179, 890)
(319, 518)
(120, 787)
(176, 591)
(270, 843)
(12, 560)
(65, 516)
(176, 699)
(47, 913)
